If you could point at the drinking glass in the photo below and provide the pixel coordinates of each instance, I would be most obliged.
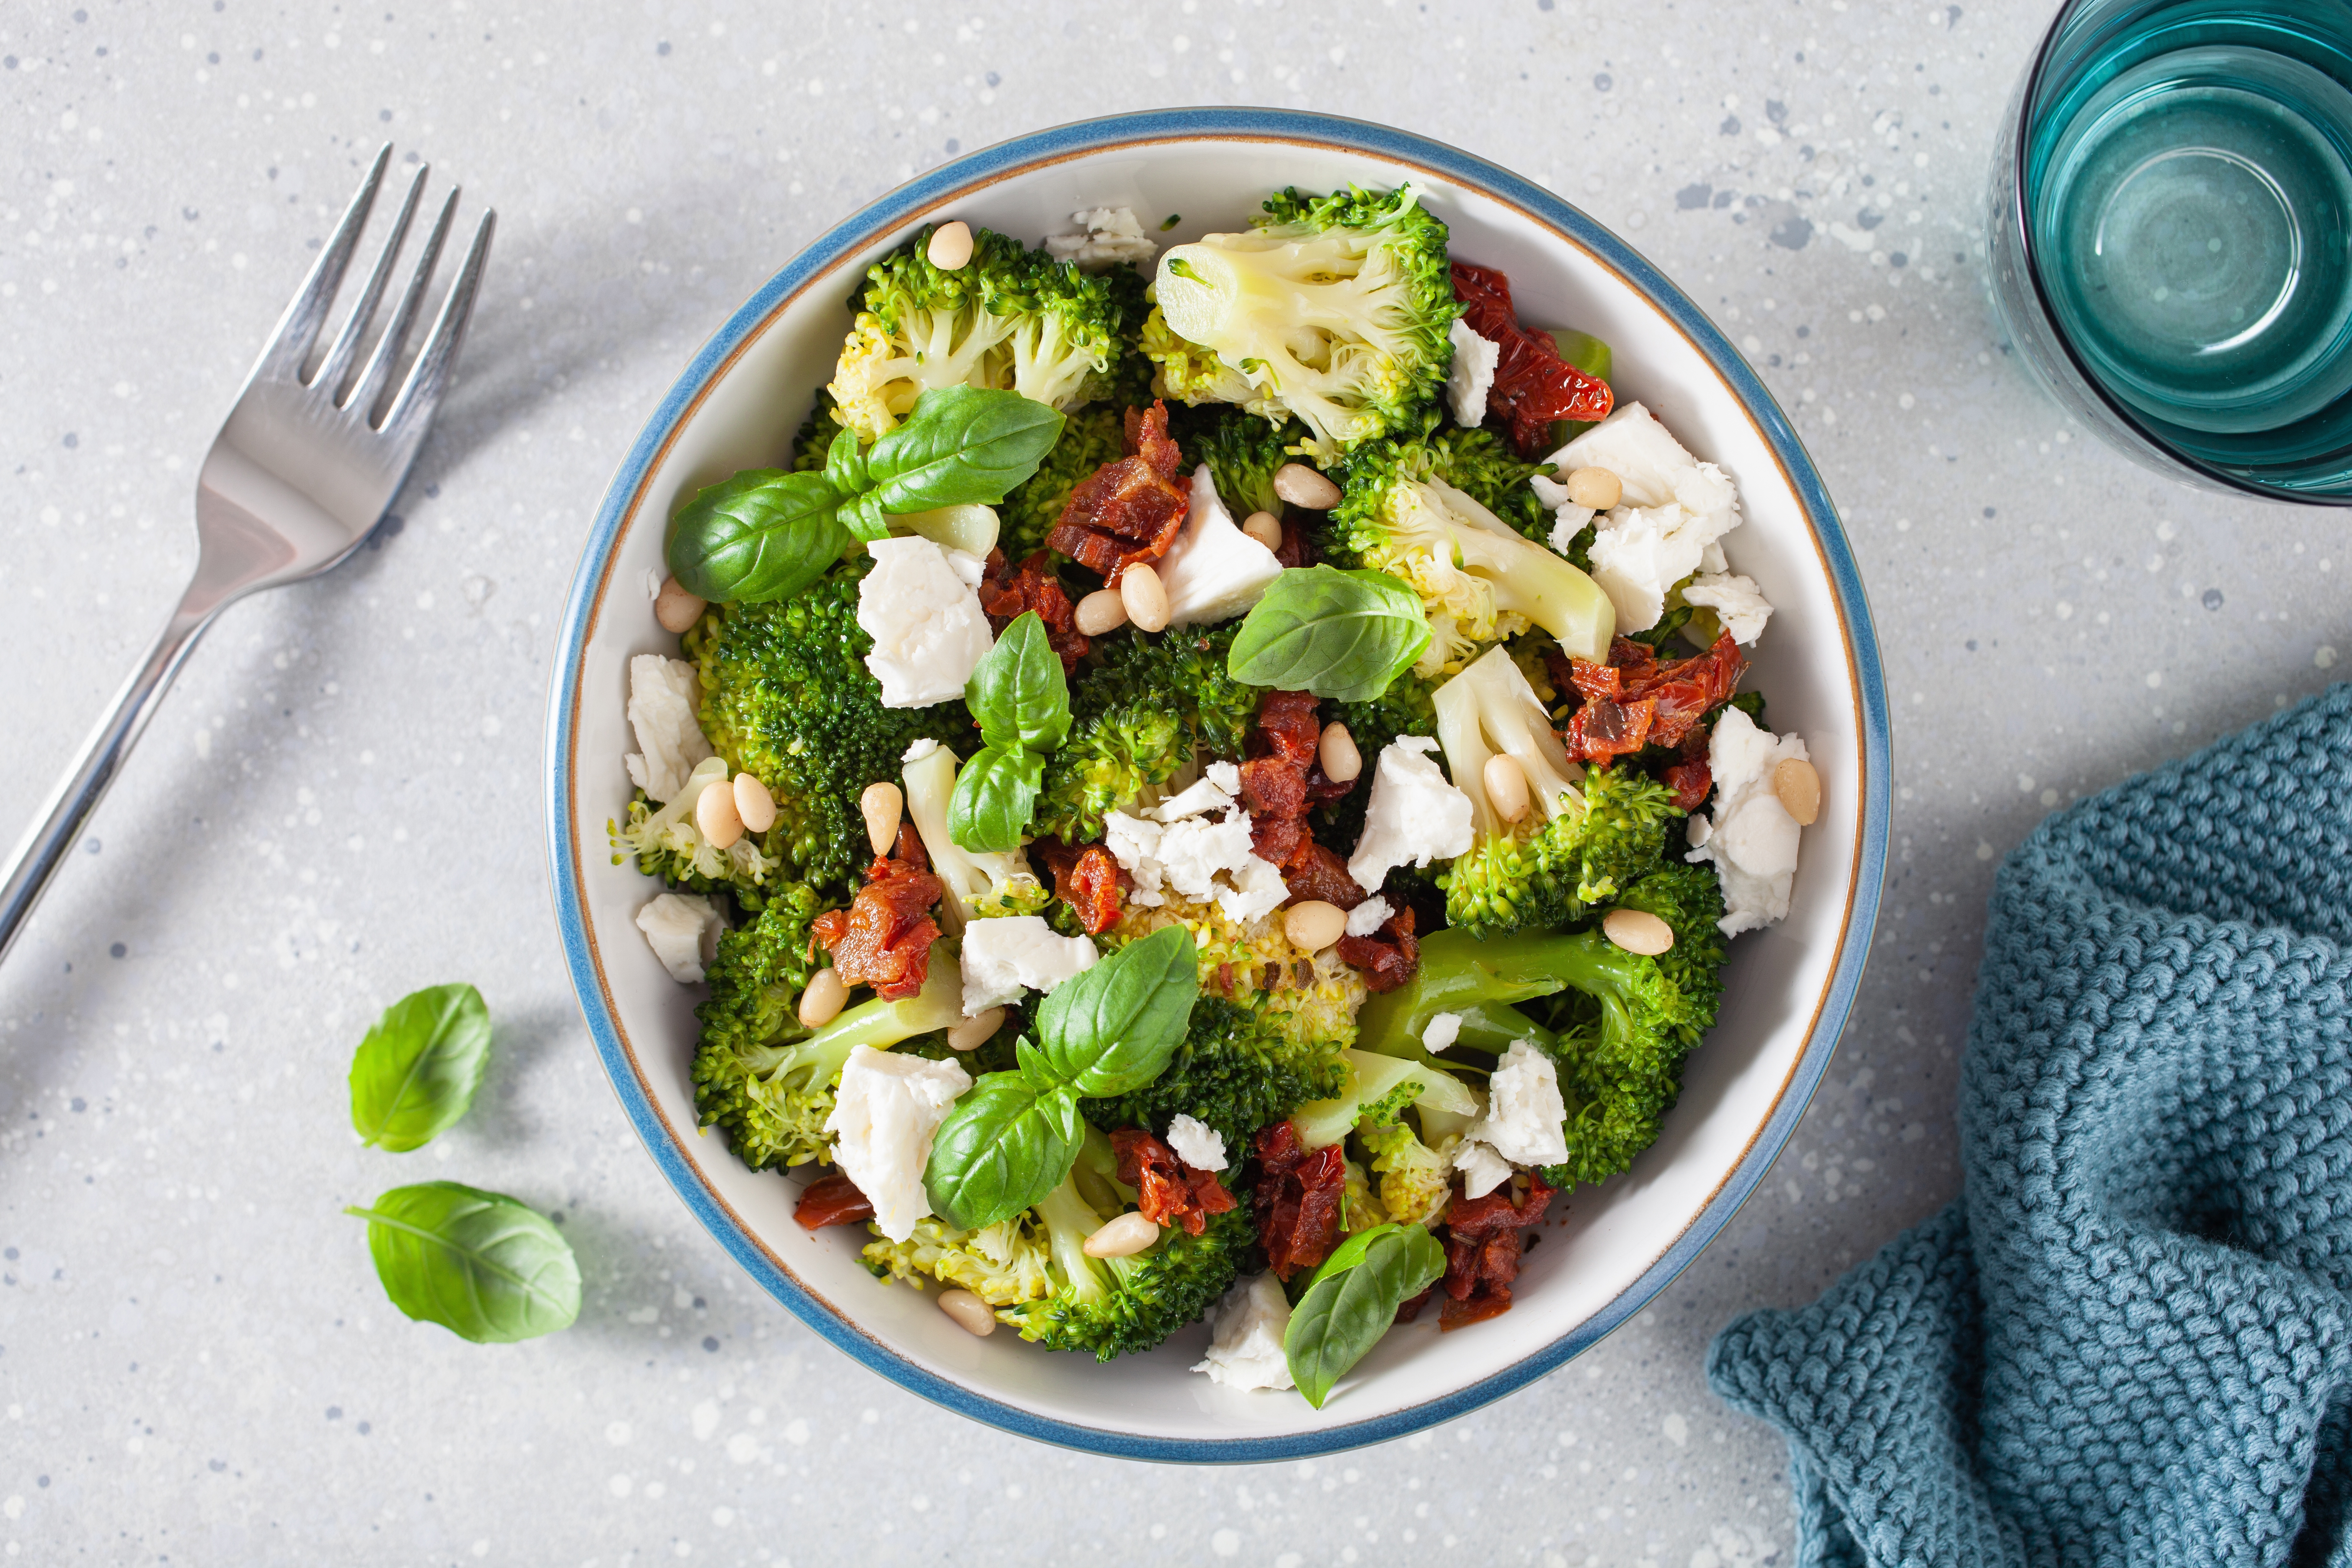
(2171, 206)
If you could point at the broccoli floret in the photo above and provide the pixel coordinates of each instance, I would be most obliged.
(1380, 1085)
(1305, 1000)
(1140, 708)
(768, 1082)
(1620, 1040)
(980, 885)
(1238, 1070)
(1518, 875)
(669, 844)
(1092, 438)
(1689, 898)
(758, 972)
(787, 697)
(1627, 817)
(1115, 1306)
(1415, 1179)
(1403, 510)
(1333, 309)
(1000, 1264)
(1011, 319)
(1241, 450)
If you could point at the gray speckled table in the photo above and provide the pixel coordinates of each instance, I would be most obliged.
(340, 802)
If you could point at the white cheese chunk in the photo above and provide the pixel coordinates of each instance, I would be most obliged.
(1751, 839)
(1482, 1169)
(1471, 375)
(928, 630)
(1632, 445)
(1413, 815)
(665, 694)
(1212, 571)
(1442, 1030)
(1567, 522)
(1196, 1142)
(1246, 1352)
(969, 568)
(1368, 916)
(923, 747)
(1189, 856)
(1011, 954)
(1109, 236)
(1135, 844)
(1524, 1109)
(1734, 600)
(1639, 554)
(1199, 798)
(683, 931)
(1673, 511)
(1550, 493)
(1257, 889)
(885, 1113)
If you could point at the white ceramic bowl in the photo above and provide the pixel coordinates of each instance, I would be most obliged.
(1788, 988)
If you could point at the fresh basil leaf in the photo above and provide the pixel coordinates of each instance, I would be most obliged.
(1112, 1028)
(995, 795)
(1343, 635)
(961, 444)
(480, 1264)
(417, 1070)
(863, 516)
(845, 465)
(1010, 1141)
(1353, 1299)
(763, 534)
(1017, 692)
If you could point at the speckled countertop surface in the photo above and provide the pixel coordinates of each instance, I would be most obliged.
(340, 802)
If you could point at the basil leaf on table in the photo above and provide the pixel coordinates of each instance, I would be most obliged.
(1112, 1028)
(1341, 634)
(764, 534)
(417, 1070)
(995, 795)
(1010, 1141)
(481, 1265)
(961, 444)
(1352, 1300)
(1018, 693)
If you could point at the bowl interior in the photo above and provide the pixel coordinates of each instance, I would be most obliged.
(1785, 986)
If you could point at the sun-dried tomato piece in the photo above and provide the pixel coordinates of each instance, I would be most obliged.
(1287, 721)
(1273, 786)
(1484, 1240)
(1296, 549)
(1317, 872)
(1691, 779)
(1277, 840)
(1638, 700)
(1322, 788)
(1087, 878)
(1006, 595)
(1687, 690)
(1297, 1199)
(1603, 729)
(1129, 509)
(1387, 958)
(1173, 1192)
(832, 1200)
(1533, 385)
(883, 938)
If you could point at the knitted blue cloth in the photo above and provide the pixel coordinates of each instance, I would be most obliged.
(2130, 1339)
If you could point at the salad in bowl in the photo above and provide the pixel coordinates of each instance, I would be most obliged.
(1213, 783)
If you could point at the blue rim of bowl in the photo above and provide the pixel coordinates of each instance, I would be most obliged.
(996, 163)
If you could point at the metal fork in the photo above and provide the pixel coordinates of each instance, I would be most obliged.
(297, 479)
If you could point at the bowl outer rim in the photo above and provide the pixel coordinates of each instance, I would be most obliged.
(988, 165)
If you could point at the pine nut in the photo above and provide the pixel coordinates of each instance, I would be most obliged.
(950, 246)
(1637, 930)
(1596, 487)
(754, 804)
(1266, 528)
(1506, 786)
(1314, 924)
(976, 1032)
(1800, 789)
(676, 608)
(1343, 763)
(1146, 600)
(1125, 1236)
(969, 1313)
(822, 998)
(882, 803)
(1302, 485)
(715, 813)
(1104, 610)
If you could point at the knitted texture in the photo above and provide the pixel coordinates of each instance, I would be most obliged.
(2127, 1342)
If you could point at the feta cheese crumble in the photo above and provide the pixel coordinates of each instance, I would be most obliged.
(1413, 816)
(683, 931)
(1750, 837)
(1111, 235)
(1011, 954)
(1482, 1169)
(885, 1115)
(1442, 1030)
(664, 697)
(1522, 1125)
(1212, 571)
(1196, 1142)
(1734, 600)
(1246, 1352)
(1368, 916)
(1185, 851)
(1471, 375)
(1673, 511)
(928, 628)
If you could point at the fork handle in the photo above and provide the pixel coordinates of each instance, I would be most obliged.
(36, 859)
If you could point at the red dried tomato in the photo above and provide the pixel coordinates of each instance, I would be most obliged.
(1297, 1199)
(884, 939)
(1087, 878)
(1485, 1238)
(1006, 595)
(1128, 511)
(1173, 1192)
(832, 1200)
(1318, 873)
(1637, 699)
(1389, 957)
(1691, 779)
(1533, 385)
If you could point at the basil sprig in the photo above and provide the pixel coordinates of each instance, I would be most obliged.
(480, 1264)
(766, 533)
(1343, 635)
(415, 1072)
(1021, 700)
(1106, 1030)
(1352, 1300)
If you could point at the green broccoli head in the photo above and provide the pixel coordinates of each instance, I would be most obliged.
(1140, 708)
(1237, 1069)
(1522, 875)
(1628, 815)
(1376, 1088)
(1001, 1264)
(1093, 436)
(1415, 1179)
(787, 697)
(1332, 310)
(1011, 318)
(1243, 452)
(1689, 898)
